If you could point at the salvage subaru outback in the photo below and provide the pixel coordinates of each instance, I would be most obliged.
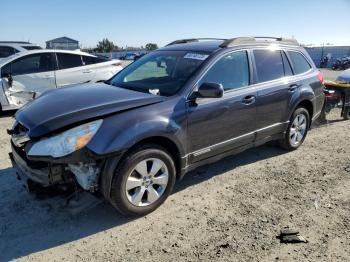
(188, 104)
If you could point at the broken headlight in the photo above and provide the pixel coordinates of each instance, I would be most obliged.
(66, 142)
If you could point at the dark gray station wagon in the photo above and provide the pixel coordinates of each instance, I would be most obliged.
(187, 104)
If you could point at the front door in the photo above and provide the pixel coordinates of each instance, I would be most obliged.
(27, 77)
(216, 125)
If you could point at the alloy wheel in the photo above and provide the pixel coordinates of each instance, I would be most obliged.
(147, 182)
(297, 129)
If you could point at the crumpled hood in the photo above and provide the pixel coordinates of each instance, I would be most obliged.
(66, 106)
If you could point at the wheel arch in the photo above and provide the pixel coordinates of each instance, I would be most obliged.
(308, 105)
(114, 161)
(169, 145)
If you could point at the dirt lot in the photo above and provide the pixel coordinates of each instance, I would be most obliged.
(229, 211)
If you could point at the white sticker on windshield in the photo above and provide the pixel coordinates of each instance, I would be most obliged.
(196, 56)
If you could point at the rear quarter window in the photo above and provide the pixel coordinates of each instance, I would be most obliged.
(300, 64)
(89, 60)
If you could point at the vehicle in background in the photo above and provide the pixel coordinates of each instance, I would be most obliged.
(138, 56)
(338, 95)
(341, 63)
(344, 76)
(179, 107)
(8, 48)
(26, 75)
(128, 56)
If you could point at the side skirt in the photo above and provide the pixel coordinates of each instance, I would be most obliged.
(229, 153)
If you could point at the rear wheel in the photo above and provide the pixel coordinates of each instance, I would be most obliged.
(297, 129)
(143, 180)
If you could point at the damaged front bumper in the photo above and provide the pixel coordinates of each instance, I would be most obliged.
(50, 173)
(40, 172)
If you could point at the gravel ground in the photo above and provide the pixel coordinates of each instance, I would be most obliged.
(229, 211)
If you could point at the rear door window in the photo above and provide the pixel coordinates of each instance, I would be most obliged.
(6, 51)
(300, 64)
(31, 64)
(232, 71)
(269, 65)
(89, 60)
(68, 60)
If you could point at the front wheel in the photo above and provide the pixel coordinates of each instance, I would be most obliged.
(297, 129)
(143, 180)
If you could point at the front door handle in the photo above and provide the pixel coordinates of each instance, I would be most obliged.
(293, 87)
(248, 100)
(87, 71)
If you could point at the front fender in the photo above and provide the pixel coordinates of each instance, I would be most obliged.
(121, 131)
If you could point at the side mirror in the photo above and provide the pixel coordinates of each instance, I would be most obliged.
(210, 90)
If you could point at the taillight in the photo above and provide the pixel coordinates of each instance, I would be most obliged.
(320, 77)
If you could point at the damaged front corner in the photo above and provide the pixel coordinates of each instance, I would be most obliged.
(86, 175)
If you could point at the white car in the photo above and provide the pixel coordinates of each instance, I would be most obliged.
(8, 48)
(26, 75)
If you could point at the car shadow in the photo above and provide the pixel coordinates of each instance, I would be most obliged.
(29, 225)
(318, 124)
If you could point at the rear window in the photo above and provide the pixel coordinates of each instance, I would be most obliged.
(269, 65)
(31, 47)
(300, 64)
(6, 51)
(89, 60)
(68, 60)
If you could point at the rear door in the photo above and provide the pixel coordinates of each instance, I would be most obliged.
(71, 70)
(27, 77)
(104, 68)
(276, 89)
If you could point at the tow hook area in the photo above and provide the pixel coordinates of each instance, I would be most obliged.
(86, 175)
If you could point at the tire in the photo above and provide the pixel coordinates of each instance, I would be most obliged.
(346, 114)
(136, 188)
(297, 130)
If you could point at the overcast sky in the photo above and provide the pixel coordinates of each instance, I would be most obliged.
(137, 22)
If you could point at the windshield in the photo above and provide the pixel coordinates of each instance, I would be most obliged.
(161, 73)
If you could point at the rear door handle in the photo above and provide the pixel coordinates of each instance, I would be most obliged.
(87, 71)
(248, 100)
(293, 87)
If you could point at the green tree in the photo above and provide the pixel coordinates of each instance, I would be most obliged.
(151, 46)
(105, 46)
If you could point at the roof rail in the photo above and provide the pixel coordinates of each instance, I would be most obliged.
(252, 40)
(14, 42)
(190, 40)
